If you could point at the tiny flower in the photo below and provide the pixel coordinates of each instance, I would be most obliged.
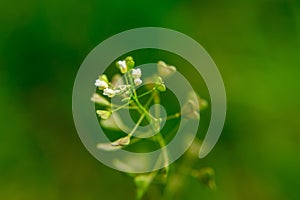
(122, 65)
(123, 88)
(109, 92)
(96, 98)
(136, 73)
(103, 114)
(137, 81)
(101, 84)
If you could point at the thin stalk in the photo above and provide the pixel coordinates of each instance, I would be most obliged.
(133, 88)
(120, 107)
(146, 93)
(174, 116)
(136, 125)
(148, 115)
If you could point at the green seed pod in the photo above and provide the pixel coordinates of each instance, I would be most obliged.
(103, 114)
(160, 86)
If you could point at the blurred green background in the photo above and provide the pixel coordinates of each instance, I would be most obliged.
(255, 43)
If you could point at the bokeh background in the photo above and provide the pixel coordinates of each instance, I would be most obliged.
(255, 43)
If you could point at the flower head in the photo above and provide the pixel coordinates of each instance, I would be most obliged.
(109, 92)
(101, 84)
(136, 73)
(137, 81)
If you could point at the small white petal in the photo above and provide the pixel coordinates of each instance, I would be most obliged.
(101, 84)
(137, 81)
(109, 92)
(122, 66)
(136, 73)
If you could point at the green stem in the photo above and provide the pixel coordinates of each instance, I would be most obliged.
(162, 144)
(146, 93)
(158, 136)
(132, 85)
(174, 116)
(148, 115)
(120, 107)
(136, 125)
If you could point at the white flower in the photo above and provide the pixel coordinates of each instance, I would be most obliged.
(123, 87)
(136, 73)
(101, 84)
(137, 81)
(109, 92)
(122, 65)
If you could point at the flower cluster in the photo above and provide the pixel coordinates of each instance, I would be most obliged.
(125, 86)
(110, 90)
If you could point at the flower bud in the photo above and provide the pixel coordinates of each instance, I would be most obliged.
(122, 66)
(159, 84)
(104, 78)
(129, 62)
